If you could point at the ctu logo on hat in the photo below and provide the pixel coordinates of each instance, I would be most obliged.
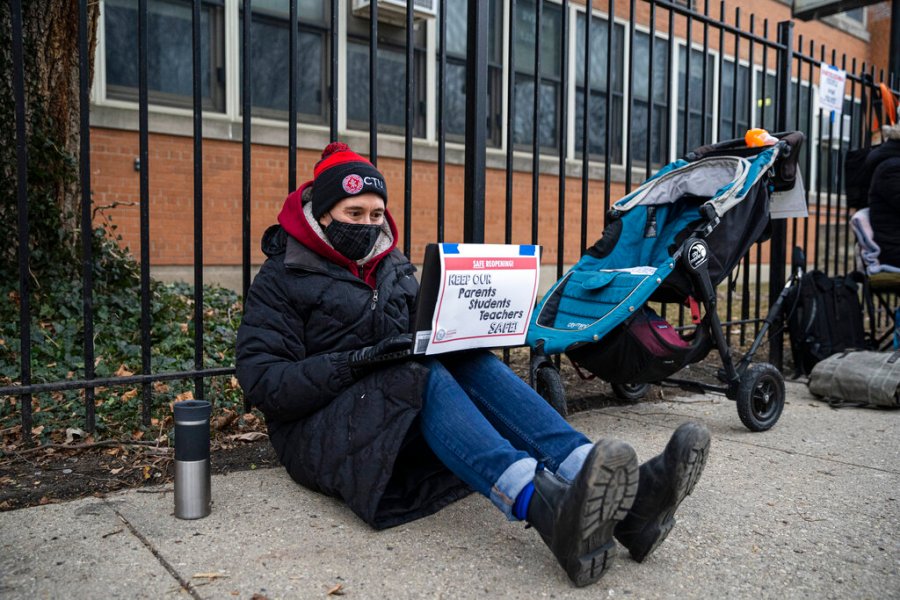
(352, 184)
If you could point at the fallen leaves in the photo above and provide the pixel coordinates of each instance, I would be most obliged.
(224, 420)
(250, 436)
(337, 590)
(72, 433)
(124, 371)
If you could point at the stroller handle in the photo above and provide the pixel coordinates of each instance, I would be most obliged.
(738, 144)
(786, 150)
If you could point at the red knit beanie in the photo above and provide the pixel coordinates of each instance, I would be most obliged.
(342, 173)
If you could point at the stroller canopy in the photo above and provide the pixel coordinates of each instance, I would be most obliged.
(725, 180)
(639, 247)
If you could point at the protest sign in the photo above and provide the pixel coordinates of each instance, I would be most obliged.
(486, 296)
(831, 89)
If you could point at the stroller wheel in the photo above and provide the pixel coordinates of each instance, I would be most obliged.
(760, 397)
(630, 391)
(548, 384)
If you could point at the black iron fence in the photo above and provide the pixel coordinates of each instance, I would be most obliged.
(634, 111)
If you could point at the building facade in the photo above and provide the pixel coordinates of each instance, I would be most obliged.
(658, 82)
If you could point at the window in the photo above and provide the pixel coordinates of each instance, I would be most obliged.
(455, 79)
(734, 102)
(270, 59)
(699, 125)
(835, 134)
(391, 76)
(805, 123)
(170, 72)
(658, 136)
(549, 80)
(600, 84)
(766, 98)
(856, 14)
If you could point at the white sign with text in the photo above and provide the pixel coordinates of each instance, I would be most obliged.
(831, 89)
(486, 296)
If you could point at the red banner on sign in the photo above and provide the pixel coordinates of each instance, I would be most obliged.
(469, 263)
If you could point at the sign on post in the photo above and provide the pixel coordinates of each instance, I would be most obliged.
(486, 296)
(831, 89)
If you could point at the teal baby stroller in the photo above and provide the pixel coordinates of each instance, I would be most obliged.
(672, 240)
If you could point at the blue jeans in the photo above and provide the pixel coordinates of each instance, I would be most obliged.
(491, 429)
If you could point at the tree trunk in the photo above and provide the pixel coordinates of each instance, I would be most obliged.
(50, 38)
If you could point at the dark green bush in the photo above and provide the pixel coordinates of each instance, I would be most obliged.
(57, 345)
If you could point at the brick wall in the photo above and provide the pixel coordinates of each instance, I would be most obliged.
(116, 184)
(116, 188)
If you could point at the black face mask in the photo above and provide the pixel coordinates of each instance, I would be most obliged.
(353, 240)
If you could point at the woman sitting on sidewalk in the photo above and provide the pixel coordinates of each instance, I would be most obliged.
(398, 441)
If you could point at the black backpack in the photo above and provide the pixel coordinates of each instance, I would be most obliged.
(826, 318)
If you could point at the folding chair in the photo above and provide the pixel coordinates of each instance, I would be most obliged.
(881, 288)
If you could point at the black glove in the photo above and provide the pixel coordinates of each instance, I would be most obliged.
(388, 350)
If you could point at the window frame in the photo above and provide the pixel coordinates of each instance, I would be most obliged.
(496, 78)
(637, 160)
(728, 62)
(420, 104)
(321, 29)
(555, 81)
(712, 56)
(391, 38)
(618, 138)
(215, 102)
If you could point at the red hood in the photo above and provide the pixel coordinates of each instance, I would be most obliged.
(293, 220)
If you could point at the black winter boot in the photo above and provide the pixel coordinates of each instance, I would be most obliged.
(665, 480)
(576, 520)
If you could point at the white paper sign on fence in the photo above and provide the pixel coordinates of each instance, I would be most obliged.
(486, 296)
(831, 89)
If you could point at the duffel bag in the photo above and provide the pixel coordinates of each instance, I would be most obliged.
(858, 377)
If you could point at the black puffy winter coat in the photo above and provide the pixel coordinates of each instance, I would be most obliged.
(882, 169)
(356, 440)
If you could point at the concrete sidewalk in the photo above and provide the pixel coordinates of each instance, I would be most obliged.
(810, 509)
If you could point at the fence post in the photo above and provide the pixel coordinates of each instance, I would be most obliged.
(476, 121)
(24, 254)
(894, 48)
(778, 245)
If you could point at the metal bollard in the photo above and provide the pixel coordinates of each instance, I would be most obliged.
(192, 475)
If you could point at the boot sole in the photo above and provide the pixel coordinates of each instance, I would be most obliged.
(688, 470)
(612, 484)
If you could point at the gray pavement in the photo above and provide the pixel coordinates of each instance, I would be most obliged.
(810, 509)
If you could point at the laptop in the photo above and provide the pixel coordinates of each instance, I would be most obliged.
(429, 286)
